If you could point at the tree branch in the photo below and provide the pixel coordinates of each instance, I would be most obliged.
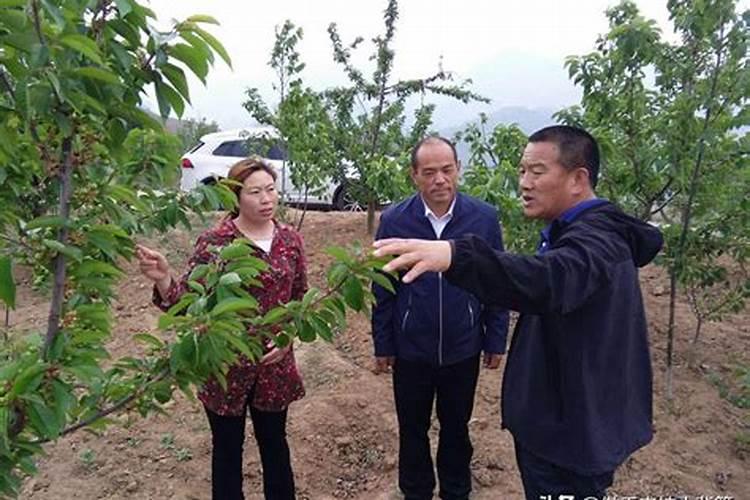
(112, 409)
(37, 22)
(58, 289)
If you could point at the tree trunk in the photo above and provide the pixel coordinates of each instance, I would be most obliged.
(58, 287)
(304, 211)
(693, 354)
(679, 255)
(670, 330)
(371, 206)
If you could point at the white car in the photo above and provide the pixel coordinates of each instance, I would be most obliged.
(215, 153)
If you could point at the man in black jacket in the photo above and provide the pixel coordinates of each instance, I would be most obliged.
(577, 385)
(431, 333)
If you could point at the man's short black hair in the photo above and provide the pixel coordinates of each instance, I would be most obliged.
(429, 140)
(577, 148)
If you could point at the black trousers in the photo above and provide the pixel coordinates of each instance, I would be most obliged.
(543, 479)
(416, 387)
(228, 438)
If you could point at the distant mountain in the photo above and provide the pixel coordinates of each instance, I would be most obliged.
(529, 120)
(171, 124)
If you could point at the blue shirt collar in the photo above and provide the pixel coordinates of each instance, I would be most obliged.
(567, 217)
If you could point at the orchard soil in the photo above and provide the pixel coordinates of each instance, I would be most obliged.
(343, 434)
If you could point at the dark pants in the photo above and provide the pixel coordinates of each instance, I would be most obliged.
(543, 479)
(415, 386)
(228, 437)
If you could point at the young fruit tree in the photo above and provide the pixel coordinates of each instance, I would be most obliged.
(300, 118)
(673, 117)
(369, 116)
(491, 174)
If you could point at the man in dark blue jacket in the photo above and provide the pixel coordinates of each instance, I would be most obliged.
(431, 332)
(577, 384)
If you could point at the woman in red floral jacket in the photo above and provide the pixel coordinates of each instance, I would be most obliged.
(270, 385)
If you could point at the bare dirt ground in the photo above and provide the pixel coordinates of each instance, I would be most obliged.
(343, 435)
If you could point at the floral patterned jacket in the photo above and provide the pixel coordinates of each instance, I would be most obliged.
(273, 387)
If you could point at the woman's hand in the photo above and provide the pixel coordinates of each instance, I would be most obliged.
(275, 355)
(155, 267)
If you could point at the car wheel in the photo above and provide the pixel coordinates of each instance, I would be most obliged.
(344, 201)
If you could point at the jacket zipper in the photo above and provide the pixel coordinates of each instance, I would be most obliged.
(403, 322)
(471, 316)
(440, 339)
(406, 315)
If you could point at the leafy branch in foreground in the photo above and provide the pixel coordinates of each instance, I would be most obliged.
(43, 399)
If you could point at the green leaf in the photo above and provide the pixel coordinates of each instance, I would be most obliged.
(165, 92)
(339, 254)
(198, 307)
(337, 273)
(274, 315)
(97, 74)
(353, 293)
(7, 283)
(235, 250)
(309, 297)
(64, 399)
(149, 339)
(322, 328)
(234, 304)
(126, 30)
(69, 250)
(281, 340)
(199, 272)
(57, 348)
(192, 58)
(54, 12)
(45, 221)
(382, 280)
(230, 279)
(27, 465)
(166, 320)
(44, 420)
(305, 331)
(162, 391)
(202, 18)
(4, 421)
(235, 341)
(28, 380)
(198, 43)
(177, 78)
(96, 267)
(215, 44)
(124, 7)
(185, 301)
(197, 287)
(332, 317)
(163, 102)
(83, 45)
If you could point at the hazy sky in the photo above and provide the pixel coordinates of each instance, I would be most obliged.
(512, 50)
